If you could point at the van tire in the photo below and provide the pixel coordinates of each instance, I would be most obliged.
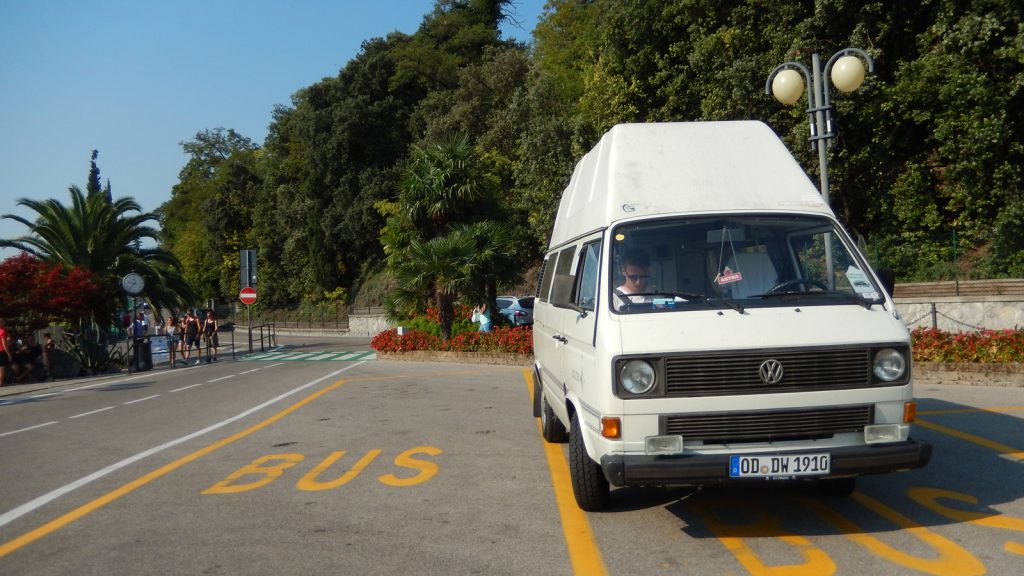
(551, 428)
(589, 485)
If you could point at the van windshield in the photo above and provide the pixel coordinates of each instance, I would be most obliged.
(736, 262)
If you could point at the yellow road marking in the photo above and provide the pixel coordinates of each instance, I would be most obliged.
(1009, 451)
(947, 558)
(579, 539)
(130, 487)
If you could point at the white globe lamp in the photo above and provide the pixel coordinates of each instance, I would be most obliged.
(848, 73)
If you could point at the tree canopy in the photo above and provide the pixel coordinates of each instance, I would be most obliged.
(926, 168)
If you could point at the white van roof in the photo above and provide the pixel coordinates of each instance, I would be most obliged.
(682, 167)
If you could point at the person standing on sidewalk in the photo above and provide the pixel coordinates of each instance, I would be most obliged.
(171, 329)
(192, 336)
(210, 335)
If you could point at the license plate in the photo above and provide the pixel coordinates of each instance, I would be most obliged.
(779, 465)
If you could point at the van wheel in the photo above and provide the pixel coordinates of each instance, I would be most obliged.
(837, 487)
(588, 482)
(551, 427)
(537, 393)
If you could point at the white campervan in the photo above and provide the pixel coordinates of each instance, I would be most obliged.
(702, 317)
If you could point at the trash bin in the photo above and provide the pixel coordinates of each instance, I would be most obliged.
(142, 356)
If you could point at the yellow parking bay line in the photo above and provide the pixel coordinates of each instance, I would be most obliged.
(1009, 451)
(130, 487)
(579, 539)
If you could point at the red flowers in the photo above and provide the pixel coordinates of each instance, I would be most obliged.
(509, 340)
(989, 346)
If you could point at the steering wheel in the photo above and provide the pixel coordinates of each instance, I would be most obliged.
(783, 286)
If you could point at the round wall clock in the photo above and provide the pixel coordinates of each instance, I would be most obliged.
(133, 283)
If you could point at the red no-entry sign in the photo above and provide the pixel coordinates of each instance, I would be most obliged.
(247, 295)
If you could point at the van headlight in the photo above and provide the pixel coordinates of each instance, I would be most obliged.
(890, 364)
(637, 376)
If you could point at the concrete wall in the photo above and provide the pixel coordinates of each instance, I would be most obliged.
(963, 313)
(367, 324)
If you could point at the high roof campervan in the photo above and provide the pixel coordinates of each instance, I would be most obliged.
(702, 317)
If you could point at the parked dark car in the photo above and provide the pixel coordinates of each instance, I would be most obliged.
(518, 310)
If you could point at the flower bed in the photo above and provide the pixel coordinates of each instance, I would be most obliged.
(500, 340)
(985, 346)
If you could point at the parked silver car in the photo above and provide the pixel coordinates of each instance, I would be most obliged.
(518, 310)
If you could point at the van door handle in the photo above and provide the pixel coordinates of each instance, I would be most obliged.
(561, 339)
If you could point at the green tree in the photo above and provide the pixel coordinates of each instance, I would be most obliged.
(209, 215)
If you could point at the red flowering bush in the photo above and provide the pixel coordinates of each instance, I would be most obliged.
(509, 340)
(932, 345)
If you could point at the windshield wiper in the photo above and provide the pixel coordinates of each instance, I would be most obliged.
(731, 304)
(848, 296)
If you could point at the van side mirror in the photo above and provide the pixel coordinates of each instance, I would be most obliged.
(888, 278)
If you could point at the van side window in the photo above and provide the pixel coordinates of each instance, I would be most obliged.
(547, 269)
(587, 272)
(547, 273)
(562, 282)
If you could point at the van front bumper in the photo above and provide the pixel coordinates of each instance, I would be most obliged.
(694, 469)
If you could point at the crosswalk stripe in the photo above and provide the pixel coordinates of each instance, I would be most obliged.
(290, 356)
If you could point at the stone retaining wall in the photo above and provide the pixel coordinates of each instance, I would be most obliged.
(367, 324)
(963, 313)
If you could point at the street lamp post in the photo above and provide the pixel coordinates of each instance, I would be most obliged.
(846, 72)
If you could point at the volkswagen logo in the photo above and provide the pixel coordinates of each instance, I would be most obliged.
(770, 371)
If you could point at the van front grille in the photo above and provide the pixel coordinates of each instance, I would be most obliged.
(767, 425)
(804, 370)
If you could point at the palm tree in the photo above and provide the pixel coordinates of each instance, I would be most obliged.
(436, 269)
(443, 185)
(102, 236)
(440, 239)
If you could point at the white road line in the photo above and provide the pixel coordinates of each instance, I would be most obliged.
(186, 387)
(27, 429)
(107, 382)
(44, 395)
(221, 378)
(27, 507)
(250, 371)
(141, 399)
(92, 412)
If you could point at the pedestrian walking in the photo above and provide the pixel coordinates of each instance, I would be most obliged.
(210, 335)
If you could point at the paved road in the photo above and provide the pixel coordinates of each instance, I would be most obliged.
(372, 467)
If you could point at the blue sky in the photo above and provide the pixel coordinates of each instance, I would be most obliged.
(134, 78)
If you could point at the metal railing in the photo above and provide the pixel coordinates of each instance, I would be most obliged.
(267, 336)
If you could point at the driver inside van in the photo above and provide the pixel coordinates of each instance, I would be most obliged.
(635, 269)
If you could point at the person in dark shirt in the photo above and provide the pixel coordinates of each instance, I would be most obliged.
(27, 359)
